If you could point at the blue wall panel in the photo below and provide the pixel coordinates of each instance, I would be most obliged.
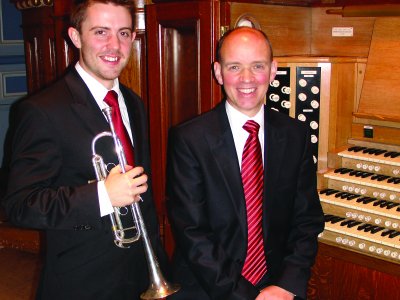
(12, 65)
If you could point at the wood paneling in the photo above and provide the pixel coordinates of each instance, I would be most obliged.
(380, 94)
(288, 38)
(134, 74)
(341, 274)
(323, 43)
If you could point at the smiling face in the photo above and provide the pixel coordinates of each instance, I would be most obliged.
(245, 69)
(105, 41)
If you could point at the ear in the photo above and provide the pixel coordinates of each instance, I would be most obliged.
(274, 69)
(218, 73)
(75, 37)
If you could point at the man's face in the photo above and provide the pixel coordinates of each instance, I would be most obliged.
(105, 41)
(245, 70)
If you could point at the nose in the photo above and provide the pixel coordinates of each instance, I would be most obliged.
(114, 41)
(247, 75)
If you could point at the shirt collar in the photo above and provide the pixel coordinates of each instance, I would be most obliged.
(237, 119)
(98, 90)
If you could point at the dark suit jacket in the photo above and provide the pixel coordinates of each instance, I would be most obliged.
(207, 209)
(48, 189)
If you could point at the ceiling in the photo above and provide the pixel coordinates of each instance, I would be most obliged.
(329, 3)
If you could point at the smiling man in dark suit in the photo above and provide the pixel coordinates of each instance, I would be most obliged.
(52, 182)
(207, 202)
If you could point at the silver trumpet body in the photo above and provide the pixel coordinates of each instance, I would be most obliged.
(159, 286)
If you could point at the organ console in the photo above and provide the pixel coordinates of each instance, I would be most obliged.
(362, 201)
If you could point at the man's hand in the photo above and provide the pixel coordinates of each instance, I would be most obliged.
(274, 292)
(125, 188)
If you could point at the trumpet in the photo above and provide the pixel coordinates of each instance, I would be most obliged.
(159, 286)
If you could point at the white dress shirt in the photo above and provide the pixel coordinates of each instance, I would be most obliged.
(99, 92)
(240, 135)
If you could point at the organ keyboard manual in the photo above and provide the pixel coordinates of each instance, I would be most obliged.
(361, 201)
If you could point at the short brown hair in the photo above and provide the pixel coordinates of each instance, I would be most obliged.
(78, 13)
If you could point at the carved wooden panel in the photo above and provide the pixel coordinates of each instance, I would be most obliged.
(38, 29)
(180, 49)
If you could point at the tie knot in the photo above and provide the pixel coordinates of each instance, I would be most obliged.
(111, 98)
(251, 127)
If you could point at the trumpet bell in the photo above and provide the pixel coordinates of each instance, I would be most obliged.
(160, 291)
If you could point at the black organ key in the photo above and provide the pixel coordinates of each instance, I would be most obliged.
(353, 173)
(352, 148)
(383, 204)
(391, 205)
(354, 223)
(374, 177)
(387, 232)
(389, 153)
(345, 195)
(331, 192)
(352, 196)
(392, 154)
(377, 229)
(343, 170)
(339, 170)
(357, 148)
(369, 150)
(337, 219)
(369, 228)
(366, 199)
(328, 217)
(395, 154)
(383, 177)
(363, 226)
(396, 180)
(360, 149)
(346, 222)
(394, 234)
(379, 202)
(379, 152)
(369, 200)
(367, 174)
(337, 195)
(324, 191)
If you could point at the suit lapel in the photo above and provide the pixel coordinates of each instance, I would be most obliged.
(274, 141)
(222, 145)
(84, 105)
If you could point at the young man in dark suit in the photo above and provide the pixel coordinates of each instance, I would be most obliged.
(52, 184)
(207, 202)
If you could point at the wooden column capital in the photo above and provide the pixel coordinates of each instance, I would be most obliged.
(28, 4)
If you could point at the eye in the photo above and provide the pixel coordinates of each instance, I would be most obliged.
(233, 68)
(259, 67)
(126, 33)
(100, 32)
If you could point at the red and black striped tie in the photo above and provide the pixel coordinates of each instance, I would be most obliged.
(253, 184)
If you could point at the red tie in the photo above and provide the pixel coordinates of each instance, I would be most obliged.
(253, 184)
(112, 100)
